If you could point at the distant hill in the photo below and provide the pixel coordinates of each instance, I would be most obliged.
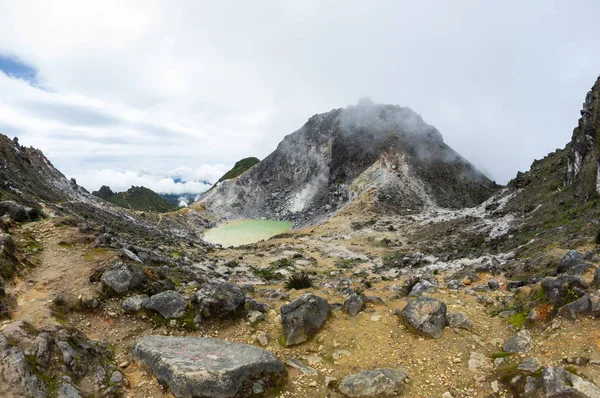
(239, 168)
(136, 198)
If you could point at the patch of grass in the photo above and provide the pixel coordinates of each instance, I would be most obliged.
(299, 281)
(282, 263)
(347, 262)
(518, 320)
(394, 259)
(176, 254)
(267, 274)
(95, 253)
(501, 354)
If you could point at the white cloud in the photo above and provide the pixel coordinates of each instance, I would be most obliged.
(193, 181)
(152, 85)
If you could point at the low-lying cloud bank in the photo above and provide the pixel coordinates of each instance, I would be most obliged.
(177, 181)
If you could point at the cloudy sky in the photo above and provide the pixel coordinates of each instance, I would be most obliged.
(124, 92)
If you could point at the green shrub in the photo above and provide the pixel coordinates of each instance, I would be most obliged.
(299, 281)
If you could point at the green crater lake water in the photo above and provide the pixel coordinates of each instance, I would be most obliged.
(243, 232)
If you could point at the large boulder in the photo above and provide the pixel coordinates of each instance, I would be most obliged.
(559, 383)
(13, 210)
(520, 342)
(123, 277)
(169, 304)
(384, 382)
(211, 368)
(563, 289)
(302, 318)
(426, 316)
(217, 299)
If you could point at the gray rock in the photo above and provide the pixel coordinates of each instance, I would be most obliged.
(530, 365)
(460, 320)
(353, 304)
(217, 299)
(43, 344)
(580, 306)
(68, 391)
(452, 284)
(374, 383)
(572, 259)
(559, 383)
(477, 361)
(493, 284)
(135, 304)
(123, 278)
(211, 367)
(13, 210)
(169, 304)
(302, 318)
(507, 314)
(596, 280)
(296, 364)
(421, 288)
(426, 316)
(116, 377)
(255, 305)
(520, 342)
(18, 379)
(255, 316)
(131, 255)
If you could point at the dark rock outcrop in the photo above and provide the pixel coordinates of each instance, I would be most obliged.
(123, 277)
(169, 304)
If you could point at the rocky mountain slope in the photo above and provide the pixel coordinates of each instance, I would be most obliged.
(499, 299)
(337, 157)
(135, 198)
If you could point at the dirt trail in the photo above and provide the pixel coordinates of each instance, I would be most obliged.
(64, 266)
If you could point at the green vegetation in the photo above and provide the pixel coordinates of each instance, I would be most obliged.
(239, 168)
(267, 274)
(299, 281)
(135, 198)
(393, 260)
(501, 354)
(518, 320)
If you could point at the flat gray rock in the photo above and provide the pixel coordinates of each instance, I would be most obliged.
(205, 367)
(384, 382)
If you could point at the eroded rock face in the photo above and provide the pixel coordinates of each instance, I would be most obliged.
(123, 277)
(211, 368)
(17, 379)
(384, 382)
(216, 299)
(582, 152)
(426, 316)
(302, 318)
(337, 156)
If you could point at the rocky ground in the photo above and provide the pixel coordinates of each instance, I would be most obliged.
(421, 324)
